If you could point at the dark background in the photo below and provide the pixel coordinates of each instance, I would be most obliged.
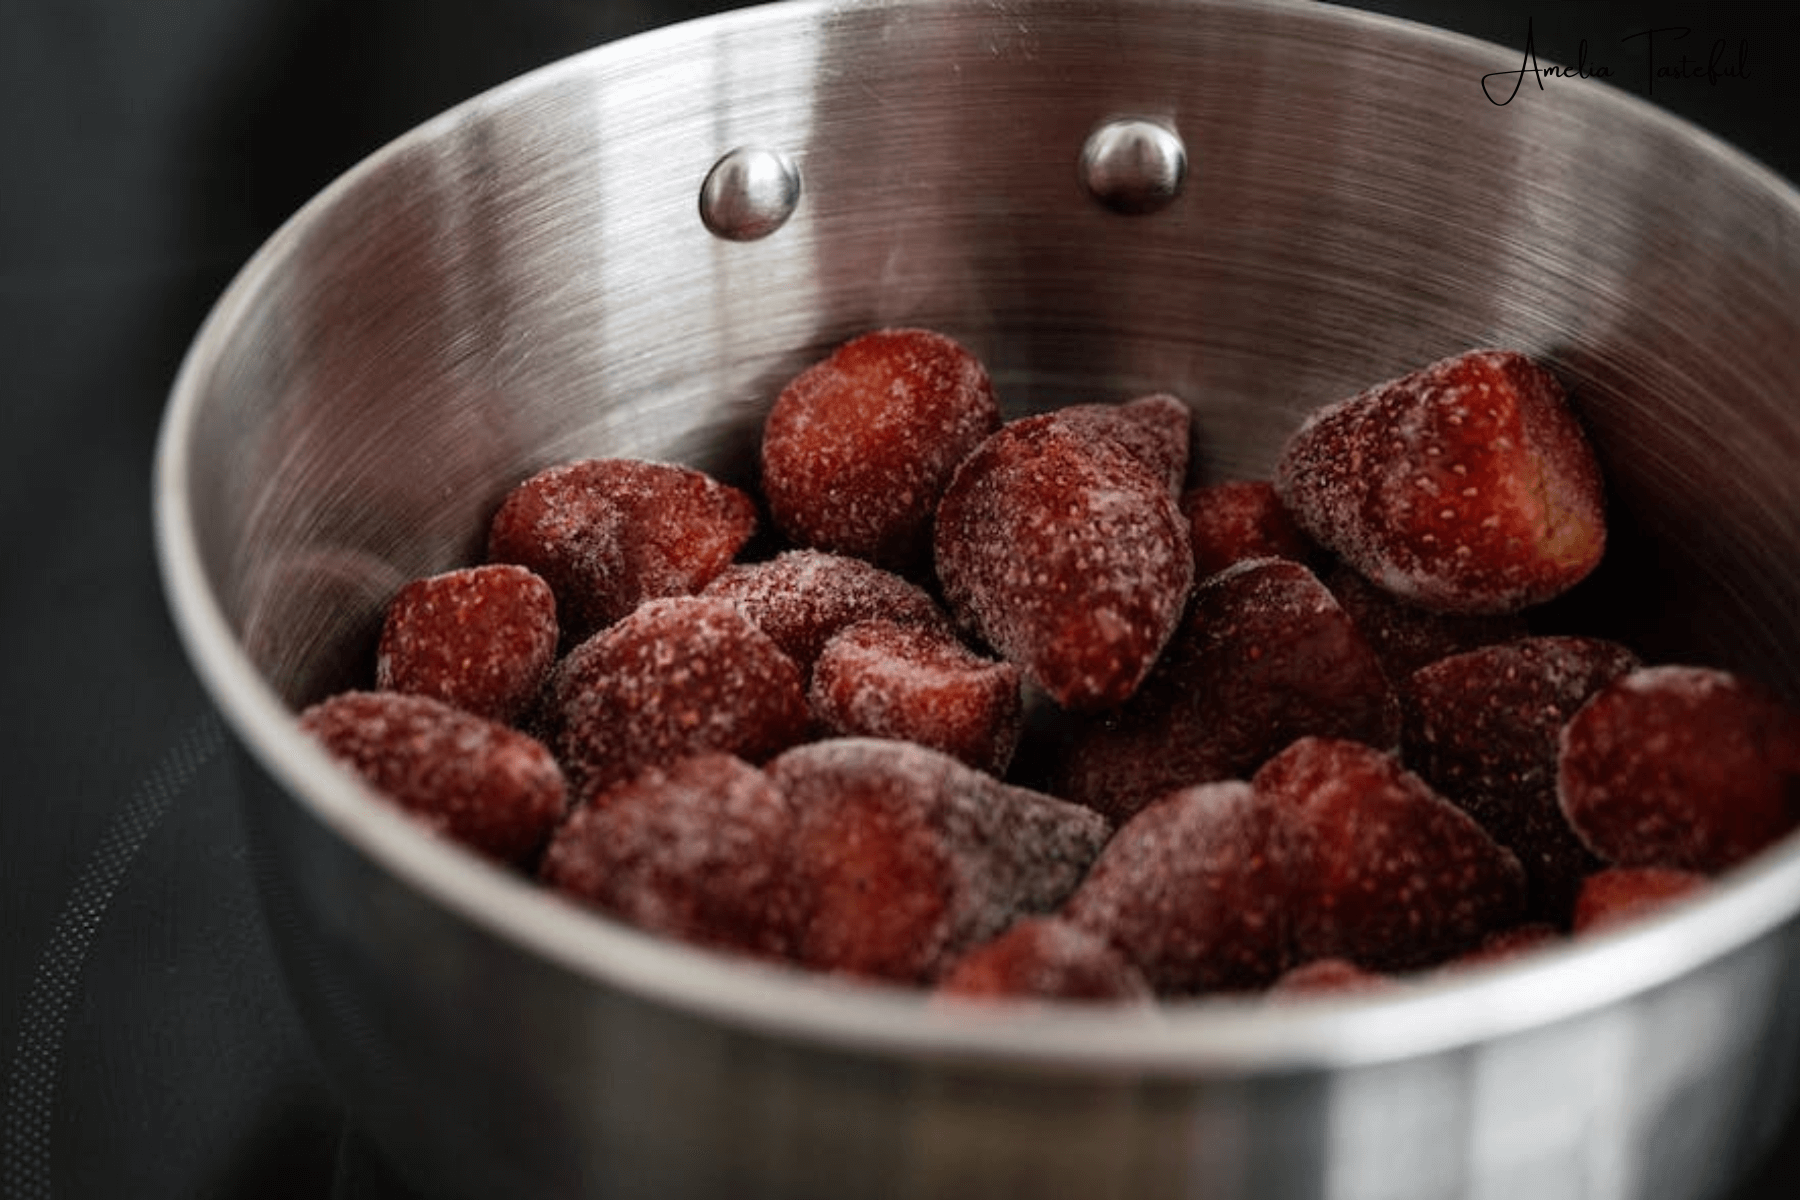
(145, 1048)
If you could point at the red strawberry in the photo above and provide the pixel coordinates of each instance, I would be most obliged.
(903, 857)
(1067, 556)
(1678, 766)
(482, 638)
(696, 850)
(1406, 637)
(802, 598)
(1238, 520)
(1155, 429)
(1466, 486)
(881, 679)
(679, 676)
(608, 533)
(1264, 656)
(858, 447)
(1483, 728)
(1387, 873)
(1616, 895)
(1045, 958)
(475, 781)
(1197, 890)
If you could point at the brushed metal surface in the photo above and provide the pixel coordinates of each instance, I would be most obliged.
(528, 278)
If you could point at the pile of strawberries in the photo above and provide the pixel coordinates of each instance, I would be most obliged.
(1017, 708)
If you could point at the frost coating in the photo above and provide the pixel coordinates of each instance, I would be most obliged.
(679, 676)
(482, 638)
(1483, 728)
(1264, 655)
(858, 447)
(803, 598)
(1388, 873)
(607, 534)
(1067, 555)
(882, 679)
(905, 857)
(474, 781)
(1467, 486)
(1195, 890)
(1681, 766)
(696, 850)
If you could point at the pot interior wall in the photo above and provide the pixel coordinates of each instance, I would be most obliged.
(528, 280)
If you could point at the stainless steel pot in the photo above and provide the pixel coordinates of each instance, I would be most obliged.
(1259, 206)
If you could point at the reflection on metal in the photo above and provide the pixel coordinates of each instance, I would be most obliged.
(1133, 165)
(749, 194)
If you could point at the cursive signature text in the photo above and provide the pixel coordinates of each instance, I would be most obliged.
(1718, 63)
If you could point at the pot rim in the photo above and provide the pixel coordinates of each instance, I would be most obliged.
(1216, 1036)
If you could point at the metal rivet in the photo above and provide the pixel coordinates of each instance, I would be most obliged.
(749, 194)
(1134, 165)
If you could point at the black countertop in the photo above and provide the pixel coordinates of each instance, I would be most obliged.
(146, 1048)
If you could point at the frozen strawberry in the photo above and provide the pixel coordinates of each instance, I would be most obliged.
(1615, 896)
(1155, 429)
(1328, 977)
(1388, 873)
(904, 857)
(1066, 556)
(1406, 637)
(802, 598)
(472, 780)
(882, 679)
(1044, 958)
(679, 676)
(1466, 486)
(608, 533)
(1196, 890)
(1681, 766)
(859, 446)
(1241, 519)
(696, 850)
(1264, 656)
(1483, 729)
(481, 638)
